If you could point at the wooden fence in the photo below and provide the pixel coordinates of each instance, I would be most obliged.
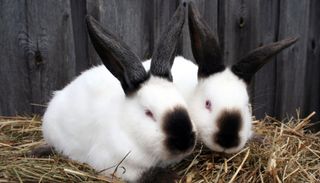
(44, 45)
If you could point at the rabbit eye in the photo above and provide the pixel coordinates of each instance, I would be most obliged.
(149, 114)
(208, 105)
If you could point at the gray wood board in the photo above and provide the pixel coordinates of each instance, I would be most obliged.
(312, 79)
(15, 96)
(292, 62)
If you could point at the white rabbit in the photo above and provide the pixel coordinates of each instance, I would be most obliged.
(217, 95)
(142, 119)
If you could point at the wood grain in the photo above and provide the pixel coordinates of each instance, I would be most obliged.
(292, 62)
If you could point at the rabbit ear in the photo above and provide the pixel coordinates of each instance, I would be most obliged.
(165, 51)
(205, 47)
(249, 65)
(117, 57)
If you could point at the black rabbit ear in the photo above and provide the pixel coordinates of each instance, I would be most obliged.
(165, 51)
(205, 47)
(249, 65)
(117, 57)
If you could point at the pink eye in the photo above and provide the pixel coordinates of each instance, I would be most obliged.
(149, 113)
(208, 105)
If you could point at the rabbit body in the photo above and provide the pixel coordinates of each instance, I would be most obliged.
(83, 121)
(118, 118)
(91, 121)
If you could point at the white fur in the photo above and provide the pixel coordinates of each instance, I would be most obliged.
(184, 74)
(92, 121)
(225, 90)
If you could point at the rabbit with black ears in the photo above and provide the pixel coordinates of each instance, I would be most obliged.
(220, 103)
(216, 94)
(127, 115)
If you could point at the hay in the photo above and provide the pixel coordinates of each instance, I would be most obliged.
(280, 152)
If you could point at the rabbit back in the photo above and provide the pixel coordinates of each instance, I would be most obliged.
(76, 111)
(184, 73)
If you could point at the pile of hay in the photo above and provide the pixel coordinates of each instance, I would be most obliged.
(280, 152)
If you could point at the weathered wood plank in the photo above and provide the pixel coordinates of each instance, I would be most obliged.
(130, 20)
(291, 63)
(263, 90)
(52, 62)
(78, 12)
(237, 30)
(41, 56)
(312, 80)
(14, 81)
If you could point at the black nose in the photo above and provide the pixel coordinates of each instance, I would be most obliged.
(229, 125)
(178, 129)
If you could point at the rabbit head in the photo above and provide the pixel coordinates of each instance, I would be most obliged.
(154, 114)
(220, 106)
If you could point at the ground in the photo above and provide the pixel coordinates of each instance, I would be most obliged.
(280, 151)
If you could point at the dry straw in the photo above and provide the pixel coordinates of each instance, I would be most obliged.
(280, 151)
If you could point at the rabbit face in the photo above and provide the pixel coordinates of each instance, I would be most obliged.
(160, 123)
(220, 107)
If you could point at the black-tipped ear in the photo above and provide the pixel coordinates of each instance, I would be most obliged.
(205, 47)
(250, 64)
(165, 51)
(117, 57)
